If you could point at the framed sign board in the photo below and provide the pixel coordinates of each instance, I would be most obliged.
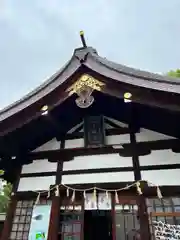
(94, 131)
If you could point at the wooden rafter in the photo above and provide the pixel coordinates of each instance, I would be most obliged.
(113, 124)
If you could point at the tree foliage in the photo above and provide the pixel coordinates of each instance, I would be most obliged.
(5, 197)
(5, 193)
(174, 73)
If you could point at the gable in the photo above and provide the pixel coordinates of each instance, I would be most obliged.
(110, 123)
(144, 135)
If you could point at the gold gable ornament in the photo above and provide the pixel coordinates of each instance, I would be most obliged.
(84, 87)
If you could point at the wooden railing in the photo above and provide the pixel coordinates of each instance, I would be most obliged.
(165, 214)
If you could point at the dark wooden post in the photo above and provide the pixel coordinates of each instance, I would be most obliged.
(141, 201)
(12, 207)
(54, 217)
(55, 207)
(9, 219)
(143, 219)
(113, 212)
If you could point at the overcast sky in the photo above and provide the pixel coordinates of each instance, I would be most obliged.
(38, 36)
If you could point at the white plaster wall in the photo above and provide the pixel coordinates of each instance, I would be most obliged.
(39, 166)
(74, 143)
(51, 145)
(36, 183)
(160, 157)
(117, 139)
(98, 161)
(162, 177)
(109, 140)
(98, 178)
(146, 135)
(2, 217)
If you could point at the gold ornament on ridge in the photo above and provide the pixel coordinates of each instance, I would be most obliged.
(85, 81)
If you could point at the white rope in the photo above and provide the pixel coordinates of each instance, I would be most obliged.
(88, 189)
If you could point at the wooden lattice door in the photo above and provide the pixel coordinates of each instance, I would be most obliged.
(126, 219)
(71, 221)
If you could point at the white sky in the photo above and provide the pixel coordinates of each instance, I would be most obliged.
(39, 36)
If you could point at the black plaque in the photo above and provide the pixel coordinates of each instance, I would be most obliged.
(94, 133)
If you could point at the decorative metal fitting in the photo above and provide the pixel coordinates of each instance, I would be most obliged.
(84, 87)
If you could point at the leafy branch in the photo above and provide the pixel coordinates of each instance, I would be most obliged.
(5, 193)
(174, 73)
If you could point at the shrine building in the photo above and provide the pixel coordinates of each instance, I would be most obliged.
(93, 153)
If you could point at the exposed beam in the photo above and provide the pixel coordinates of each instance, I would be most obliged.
(76, 128)
(38, 174)
(101, 170)
(77, 172)
(108, 132)
(141, 148)
(112, 124)
(158, 144)
(69, 154)
(167, 191)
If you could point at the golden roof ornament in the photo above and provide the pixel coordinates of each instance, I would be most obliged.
(84, 87)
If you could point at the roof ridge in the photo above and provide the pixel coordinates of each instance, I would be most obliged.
(138, 73)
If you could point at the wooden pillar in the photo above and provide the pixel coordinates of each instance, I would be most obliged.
(54, 223)
(12, 207)
(9, 219)
(82, 212)
(141, 201)
(113, 212)
(143, 219)
(54, 217)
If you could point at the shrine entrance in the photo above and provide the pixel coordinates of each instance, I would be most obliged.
(97, 225)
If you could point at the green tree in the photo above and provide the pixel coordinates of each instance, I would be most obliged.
(5, 197)
(5, 193)
(174, 73)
